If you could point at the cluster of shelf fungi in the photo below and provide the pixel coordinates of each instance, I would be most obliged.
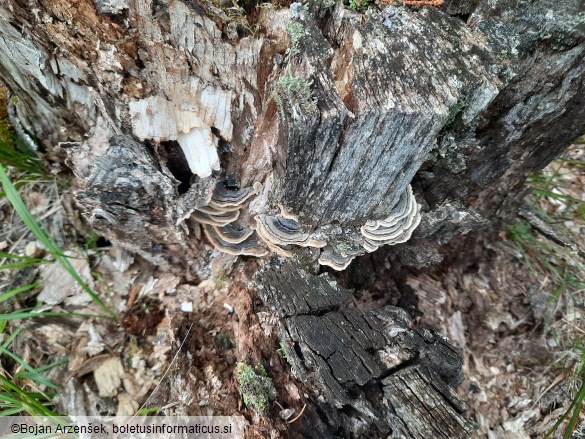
(230, 229)
(466, 111)
(372, 373)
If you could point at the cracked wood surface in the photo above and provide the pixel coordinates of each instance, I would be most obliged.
(356, 360)
(461, 101)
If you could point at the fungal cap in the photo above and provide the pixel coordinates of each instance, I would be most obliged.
(233, 233)
(220, 219)
(228, 199)
(282, 251)
(334, 260)
(379, 229)
(248, 247)
(397, 227)
(280, 231)
(370, 246)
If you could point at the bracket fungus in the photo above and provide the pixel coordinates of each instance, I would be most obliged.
(394, 229)
(218, 220)
(233, 233)
(397, 227)
(224, 199)
(279, 230)
(334, 260)
(224, 206)
(249, 246)
(215, 219)
(279, 233)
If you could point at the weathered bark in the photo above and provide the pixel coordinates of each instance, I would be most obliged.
(357, 360)
(335, 129)
(334, 112)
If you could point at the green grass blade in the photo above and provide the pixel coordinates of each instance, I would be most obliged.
(27, 314)
(147, 411)
(67, 265)
(22, 261)
(11, 412)
(577, 406)
(16, 291)
(48, 366)
(13, 256)
(20, 265)
(24, 214)
(20, 208)
(15, 153)
(30, 404)
(35, 376)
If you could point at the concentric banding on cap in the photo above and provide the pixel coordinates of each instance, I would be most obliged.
(219, 220)
(233, 233)
(249, 247)
(228, 199)
(334, 260)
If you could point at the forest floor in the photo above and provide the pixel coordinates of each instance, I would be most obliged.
(518, 316)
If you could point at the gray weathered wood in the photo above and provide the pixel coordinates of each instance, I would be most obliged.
(332, 113)
(460, 98)
(354, 358)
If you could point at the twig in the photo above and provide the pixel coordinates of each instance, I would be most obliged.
(573, 326)
(556, 381)
(166, 371)
(298, 416)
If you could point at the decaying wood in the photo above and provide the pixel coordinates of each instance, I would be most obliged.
(331, 114)
(335, 128)
(356, 360)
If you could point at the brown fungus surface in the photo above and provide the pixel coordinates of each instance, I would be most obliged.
(220, 219)
(397, 227)
(280, 233)
(248, 247)
(230, 199)
(279, 230)
(334, 260)
(233, 233)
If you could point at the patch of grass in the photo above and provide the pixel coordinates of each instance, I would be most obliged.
(26, 389)
(14, 399)
(146, 411)
(544, 256)
(574, 409)
(23, 392)
(557, 197)
(21, 262)
(556, 189)
(48, 242)
(256, 387)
